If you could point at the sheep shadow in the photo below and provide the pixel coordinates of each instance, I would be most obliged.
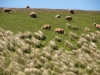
(34, 17)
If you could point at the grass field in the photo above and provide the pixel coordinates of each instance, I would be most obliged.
(85, 40)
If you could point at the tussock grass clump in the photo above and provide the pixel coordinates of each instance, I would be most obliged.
(82, 35)
(1, 34)
(72, 36)
(92, 34)
(11, 46)
(1, 48)
(97, 32)
(8, 33)
(58, 39)
(26, 48)
(35, 53)
(2, 30)
(36, 35)
(87, 29)
(86, 44)
(68, 25)
(19, 35)
(85, 49)
(35, 42)
(91, 37)
(88, 37)
(71, 26)
(69, 45)
(83, 40)
(75, 28)
(46, 54)
(26, 34)
(45, 72)
(29, 71)
(93, 44)
(79, 44)
(43, 59)
(39, 35)
(97, 35)
(7, 72)
(27, 40)
(53, 45)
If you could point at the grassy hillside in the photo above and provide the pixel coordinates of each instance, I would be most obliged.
(19, 20)
(22, 48)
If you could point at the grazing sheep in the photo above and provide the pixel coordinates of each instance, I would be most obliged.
(33, 14)
(69, 18)
(46, 26)
(27, 7)
(7, 10)
(71, 11)
(97, 25)
(59, 30)
(58, 16)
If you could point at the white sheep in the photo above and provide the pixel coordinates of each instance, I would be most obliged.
(33, 14)
(59, 30)
(46, 26)
(7, 10)
(97, 25)
(69, 18)
(58, 16)
(71, 11)
(27, 6)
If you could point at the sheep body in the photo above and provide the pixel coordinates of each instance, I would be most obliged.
(97, 25)
(33, 14)
(46, 26)
(7, 10)
(71, 11)
(58, 16)
(69, 18)
(27, 7)
(59, 30)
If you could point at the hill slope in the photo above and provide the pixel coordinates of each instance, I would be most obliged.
(19, 20)
(25, 49)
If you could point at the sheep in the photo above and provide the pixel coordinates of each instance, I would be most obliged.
(59, 30)
(71, 11)
(58, 16)
(7, 10)
(97, 25)
(27, 7)
(46, 26)
(69, 18)
(33, 14)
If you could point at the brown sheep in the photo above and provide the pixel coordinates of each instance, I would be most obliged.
(59, 30)
(46, 26)
(7, 10)
(33, 14)
(97, 25)
(58, 16)
(69, 18)
(71, 11)
(27, 7)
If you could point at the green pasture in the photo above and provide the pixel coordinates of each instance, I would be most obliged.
(19, 20)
